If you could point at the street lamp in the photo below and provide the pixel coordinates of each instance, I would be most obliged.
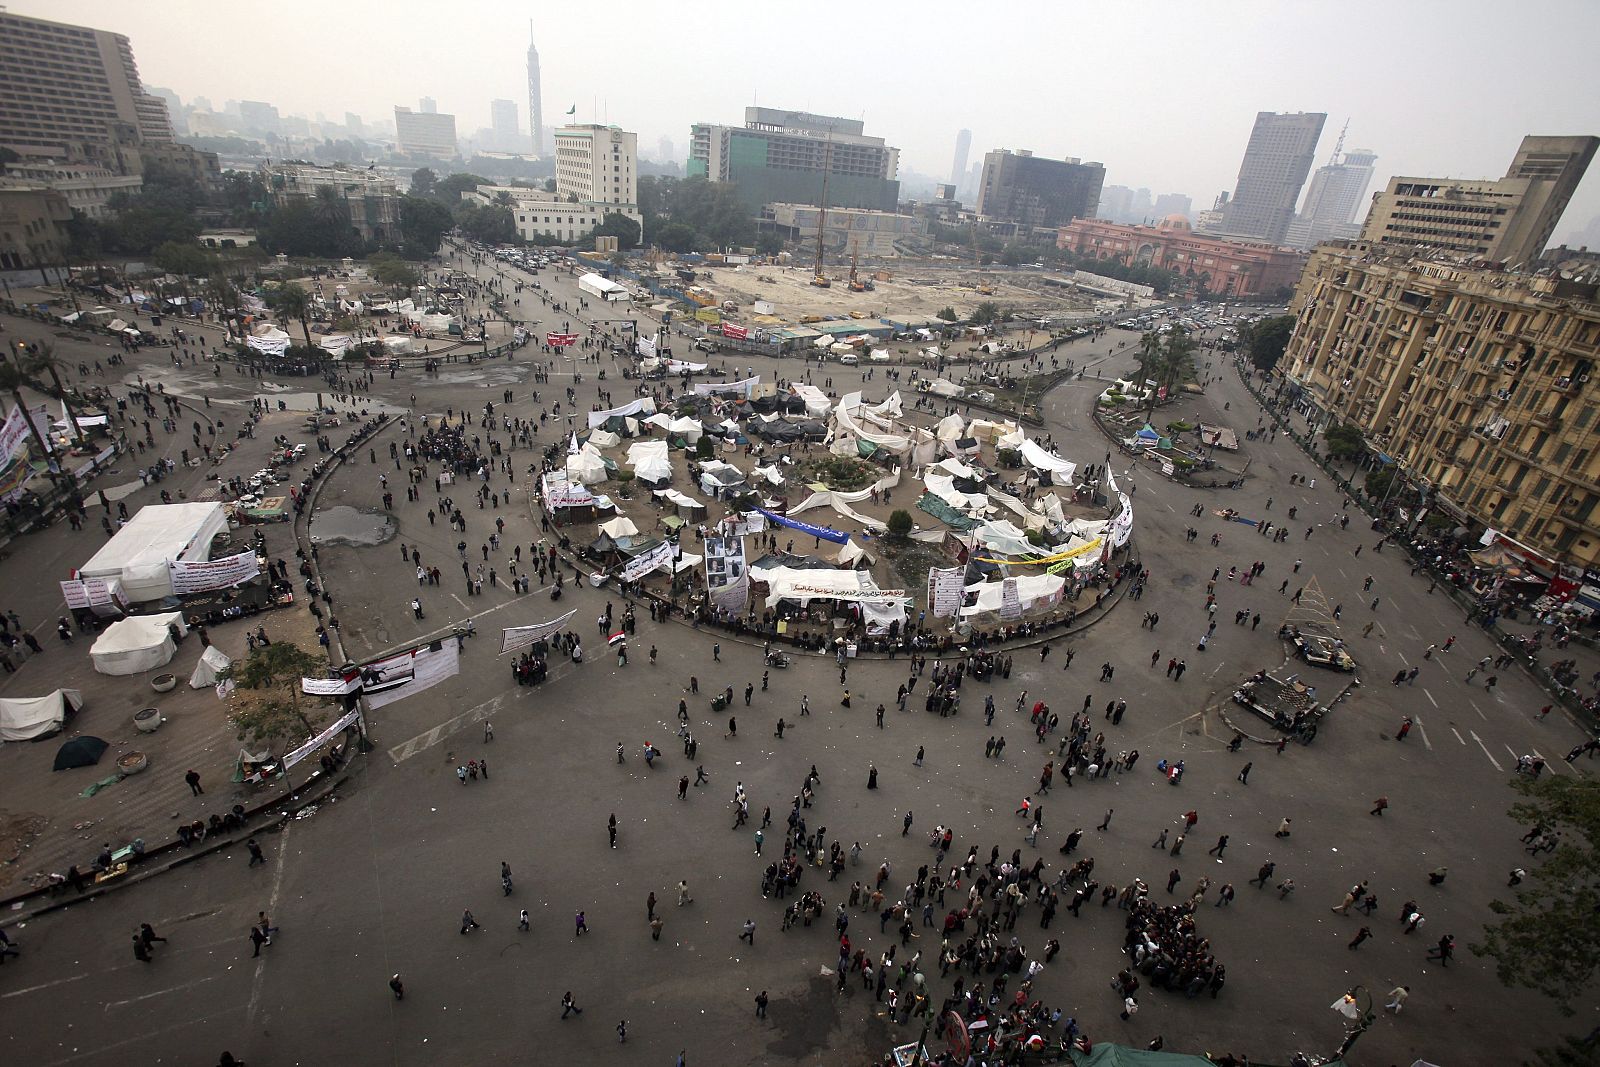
(1356, 1007)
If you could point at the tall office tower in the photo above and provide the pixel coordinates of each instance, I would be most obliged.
(1115, 203)
(1030, 190)
(1168, 204)
(503, 122)
(666, 151)
(779, 157)
(1500, 219)
(1336, 191)
(535, 98)
(1142, 206)
(1275, 165)
(71, 92)
(428, 106)
(598, 165)
(958, 166)
(423, 134)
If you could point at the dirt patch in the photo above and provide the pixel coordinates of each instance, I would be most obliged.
(18, 830)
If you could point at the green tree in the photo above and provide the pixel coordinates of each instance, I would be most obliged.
(423, 223)
(985, 313)
(423, 181)
(1267, 339)
(47, 362)
(900, 524)
(677, 237)
(769, 244)
(1344, 440)
(293, 302)
(1547, 938)
(390, 270)
(485, 223)
(948, 314)
(620, 226)
(448, 191)
(188, 260)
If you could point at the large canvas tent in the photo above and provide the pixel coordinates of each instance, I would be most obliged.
(137, 644)
(213, 661)
(141, 553)
(26, 718)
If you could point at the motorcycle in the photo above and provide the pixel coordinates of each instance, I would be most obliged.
(777, 660)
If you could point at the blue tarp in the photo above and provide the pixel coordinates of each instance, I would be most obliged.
(823, 532)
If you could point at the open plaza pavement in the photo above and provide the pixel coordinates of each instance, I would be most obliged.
(375, 883)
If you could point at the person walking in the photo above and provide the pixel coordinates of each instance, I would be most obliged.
(258, 938)
(468, 922)
(1219, 848)
(397, 987)
(1378, 806)
(1361, 935)
(193, 780)
(255, 853)
(1244, 772)
(749, 932)
(761, 1004)
(1397, 998)
(569, 1006)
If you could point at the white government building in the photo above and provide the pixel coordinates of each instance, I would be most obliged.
(596, 175)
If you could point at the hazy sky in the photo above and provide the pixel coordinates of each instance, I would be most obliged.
(1163, 94)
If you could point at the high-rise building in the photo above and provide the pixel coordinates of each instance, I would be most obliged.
(780, 157)
(1170, 204)
(1142, 206)
(536, 126)
(259, 117)
(73, 93)
(352, 122)
(666, 151)
(958, 166)
(503, 124)
(1336, 191)
(425, 135)
(428, 106)
(598, 165)
(1506, 220)
(1275, 165)
(1479, 384)
(1030, 190)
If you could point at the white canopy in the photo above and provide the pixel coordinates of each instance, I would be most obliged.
(816, 401)
(25, 718)
(944, 487)
(335, 344)
(950, 428)
(689, 429)
(954, 466)
(880, 355)
(649, 460)
(682, 500)
(136, 644)
(213, 661)
(621, 526)
(141, 553)
(264, 338)
(1033, 591)
(604, 439)
(586, 466)
(1038, 458)
(397, 343)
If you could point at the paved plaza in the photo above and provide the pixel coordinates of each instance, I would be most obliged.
(375, 882)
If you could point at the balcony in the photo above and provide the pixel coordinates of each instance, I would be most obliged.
(1549, 420)
(1505, 489)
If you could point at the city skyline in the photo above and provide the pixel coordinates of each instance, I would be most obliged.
(1463, 128)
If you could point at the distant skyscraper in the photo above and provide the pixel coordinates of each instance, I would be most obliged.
(503, 123)
(1141, 206)
(666, 151)
(535, 98)
(352, 122)
(419, 133)
(1274, 169)
(963, 147)
(428, 106)
(1115, 203)
(1336, 191)
(1169, 204)
(1032, 191)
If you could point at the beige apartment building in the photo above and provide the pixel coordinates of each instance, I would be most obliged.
(1480, 384)
(1507, 220)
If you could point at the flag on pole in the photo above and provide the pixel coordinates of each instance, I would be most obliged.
(572, 110)
(616, 638)
(572, 446)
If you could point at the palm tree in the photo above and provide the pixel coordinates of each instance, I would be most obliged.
(1149, 357)
(292, 302)
(12, 379)
(45, 361)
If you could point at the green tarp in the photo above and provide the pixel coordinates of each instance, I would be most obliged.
(946, 514)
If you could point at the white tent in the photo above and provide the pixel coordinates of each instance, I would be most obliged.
(213, 661)
(398, 342)
(136, 644)
(438, 322)
(267, 339)
(25, 718)
(586, 466)
(604, 439)
(687, 428)
(816, 401)
(649, 460)
(621, 526)
(335, 344)
(1034, 591)
(1038, 458)
(141, 553)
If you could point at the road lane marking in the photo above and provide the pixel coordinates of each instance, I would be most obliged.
(1423, 731)
(1429, 695)
(46, 985)
(271, 909)
(1458, 735)
(1479, 710)
(1486, 752)
(158, 993)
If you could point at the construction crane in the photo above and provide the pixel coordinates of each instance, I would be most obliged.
(856, 285)
(819, 279)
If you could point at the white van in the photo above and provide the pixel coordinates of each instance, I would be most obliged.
(850, 359)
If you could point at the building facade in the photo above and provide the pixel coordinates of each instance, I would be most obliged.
(1276, 161)
(423, 134)
(1226, 268)
(503, 124)
(33, 227)
(599, 165)
(1479, 384)
(848, 230)
(72, 93)
(1505, 220)
(87, 189)
(780, 157)
(537, 213)
(1031, 191)
(371, 201)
